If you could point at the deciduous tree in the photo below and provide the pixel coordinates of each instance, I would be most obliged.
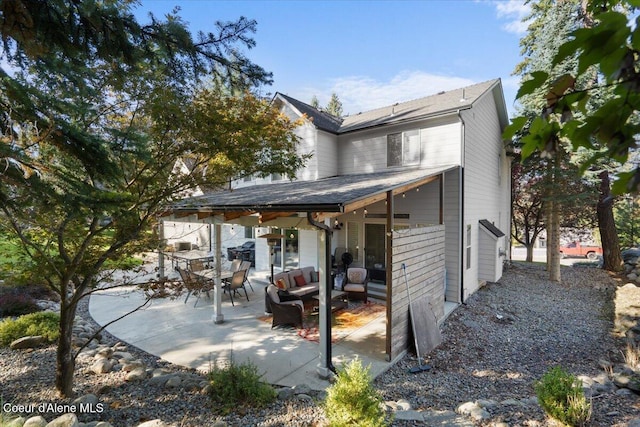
(97, 109)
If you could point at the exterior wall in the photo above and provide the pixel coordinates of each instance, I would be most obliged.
(489, 260)
(326, 155)
(366, 151)
(485, 183)
(422, 250)
(453, 249)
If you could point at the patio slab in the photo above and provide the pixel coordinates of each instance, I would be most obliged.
(186, 335)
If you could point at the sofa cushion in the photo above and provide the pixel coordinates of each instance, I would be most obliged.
(356, 275)
(315, 276)
(305, 290)
(300, 282)
(353, 287)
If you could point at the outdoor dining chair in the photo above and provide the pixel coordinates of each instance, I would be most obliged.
(235, 284)
(194, 284)
(246, 265)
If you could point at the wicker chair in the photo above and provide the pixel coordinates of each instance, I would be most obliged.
(286, 309)
(356, 283)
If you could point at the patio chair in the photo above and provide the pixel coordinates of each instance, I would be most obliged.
(236, 283)
(246, 265)
(286, 309)
(356, 283)
(194, 284)
(235, 265)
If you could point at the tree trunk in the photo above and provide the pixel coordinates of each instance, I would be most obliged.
(65, 362)
(553, 242)
(607, 225)
(529, 252)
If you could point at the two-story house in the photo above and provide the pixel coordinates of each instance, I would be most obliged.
(424, 183)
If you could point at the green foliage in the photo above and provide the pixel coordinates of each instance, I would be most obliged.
(592, 105)
(238, 385)
(352, 400)
(627, 212)
(44, 323)
(561, 396)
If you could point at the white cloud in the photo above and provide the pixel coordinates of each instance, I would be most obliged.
(363, 93)
(514, 11)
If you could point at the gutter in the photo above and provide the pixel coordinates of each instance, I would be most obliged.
(461, 205)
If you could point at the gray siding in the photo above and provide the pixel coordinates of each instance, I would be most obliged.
(483, 187)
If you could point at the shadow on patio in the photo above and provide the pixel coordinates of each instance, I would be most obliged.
(186, 335)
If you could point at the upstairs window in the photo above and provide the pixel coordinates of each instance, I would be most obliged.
(403, 148)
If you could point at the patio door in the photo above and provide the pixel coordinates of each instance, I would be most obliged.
(291, 257)
(374, 246)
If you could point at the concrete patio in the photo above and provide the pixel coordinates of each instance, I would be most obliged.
(186, 335)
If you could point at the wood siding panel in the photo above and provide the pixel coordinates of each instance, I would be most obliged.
(422, 250)
(326, 155)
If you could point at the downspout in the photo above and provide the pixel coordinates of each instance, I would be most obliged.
(326, 302)
(462, 245)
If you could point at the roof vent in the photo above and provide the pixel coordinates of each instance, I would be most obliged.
(463, 99)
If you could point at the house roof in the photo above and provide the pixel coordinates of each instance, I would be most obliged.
(329, 195)
(438, 104)
(441, 103)
(321, 119)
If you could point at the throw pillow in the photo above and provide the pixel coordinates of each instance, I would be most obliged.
(280, 283)
(300, 280)
(315, 276)
(355, 276)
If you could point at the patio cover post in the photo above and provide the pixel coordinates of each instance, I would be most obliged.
(161, 246)
(217, 317)
(325, 365)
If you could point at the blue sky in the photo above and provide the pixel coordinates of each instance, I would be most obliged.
(371, 53)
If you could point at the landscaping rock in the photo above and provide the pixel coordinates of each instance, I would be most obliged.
(66, 420)
(101, 366)
(38, 421)
(16, 422)
(137, 374)
(27, 342)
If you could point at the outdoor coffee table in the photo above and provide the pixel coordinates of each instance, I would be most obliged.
(338, 300)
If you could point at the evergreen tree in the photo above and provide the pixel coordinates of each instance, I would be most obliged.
(315, 103)
(334, 107)
(96, 110)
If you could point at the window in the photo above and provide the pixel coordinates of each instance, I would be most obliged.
(353, 237)
(468, 246)
(249, 233)
(403, 148)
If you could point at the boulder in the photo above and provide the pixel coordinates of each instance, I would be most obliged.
(101, 366)
(27, 342)
(38, 421)
(137, 374)
(66, 420)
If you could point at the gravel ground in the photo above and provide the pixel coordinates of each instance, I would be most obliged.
(494, 347)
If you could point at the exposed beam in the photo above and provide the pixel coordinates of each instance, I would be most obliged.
(415, 184)
(270, 216)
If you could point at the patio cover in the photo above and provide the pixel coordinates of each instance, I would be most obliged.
(326, 197)
(320, 199)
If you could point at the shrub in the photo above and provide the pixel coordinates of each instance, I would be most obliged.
(352, 400)
(238, 385)
(561, 396)
(43, 323)
(16, 304)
